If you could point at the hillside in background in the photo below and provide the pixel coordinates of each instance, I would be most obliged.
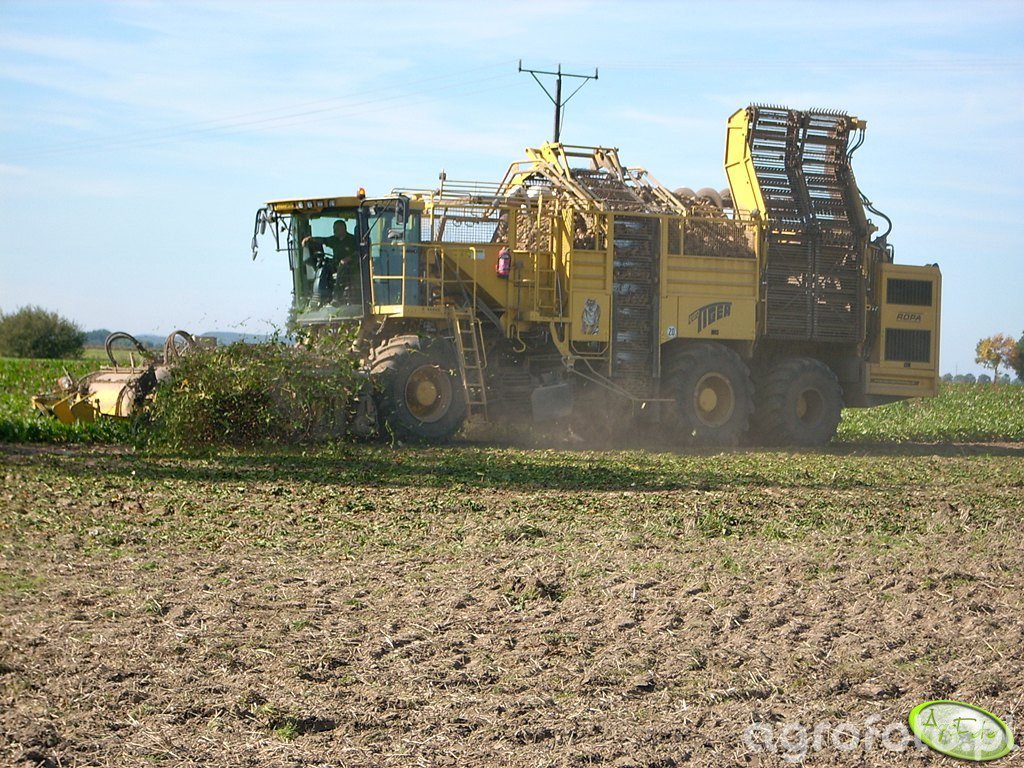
(95, 338)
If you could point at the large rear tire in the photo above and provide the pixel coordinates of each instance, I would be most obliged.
(713, 395)
(421, 396)
(799, 402)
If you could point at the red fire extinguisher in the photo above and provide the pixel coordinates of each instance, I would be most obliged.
(503, 265)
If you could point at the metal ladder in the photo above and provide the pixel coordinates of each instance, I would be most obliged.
(548, 291)
(466, 330)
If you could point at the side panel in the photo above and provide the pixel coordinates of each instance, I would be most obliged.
(904, 360)
(590, 304)
(591, 315)
(739, 166)
(709, 297)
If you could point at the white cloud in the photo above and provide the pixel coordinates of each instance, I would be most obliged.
(13, 170)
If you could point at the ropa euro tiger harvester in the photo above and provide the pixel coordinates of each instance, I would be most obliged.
(579, 289)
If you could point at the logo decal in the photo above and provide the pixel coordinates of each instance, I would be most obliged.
(961, 730)
(591, 316)
(710, 314)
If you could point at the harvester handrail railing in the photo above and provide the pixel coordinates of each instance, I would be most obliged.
(516, 169)
(440, 254)
(466, 187)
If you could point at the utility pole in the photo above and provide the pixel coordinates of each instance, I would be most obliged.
(557, 98)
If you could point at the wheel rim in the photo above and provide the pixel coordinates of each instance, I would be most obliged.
(714, 400)
(810, 405)
(428, 393)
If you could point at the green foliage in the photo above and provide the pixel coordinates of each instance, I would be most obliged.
(961, 412)
(34, 332)
(255, 394)
(242, 394)
(291, 325)
(1017, 362)
(247, 394)
(286, 731)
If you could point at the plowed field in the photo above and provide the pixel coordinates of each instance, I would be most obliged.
(477, 605)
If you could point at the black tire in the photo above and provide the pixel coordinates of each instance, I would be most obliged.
(421, 396)
(713, 395)
(799, 402)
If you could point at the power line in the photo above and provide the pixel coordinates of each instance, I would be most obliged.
(980, 65)
(235, 123)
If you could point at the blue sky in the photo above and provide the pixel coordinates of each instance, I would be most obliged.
(137, 138)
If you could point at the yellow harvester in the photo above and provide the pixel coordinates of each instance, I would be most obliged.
(581, 289)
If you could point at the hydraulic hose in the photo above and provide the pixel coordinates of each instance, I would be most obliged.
(108, 346)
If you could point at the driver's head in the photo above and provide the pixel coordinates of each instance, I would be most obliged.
(340, 230)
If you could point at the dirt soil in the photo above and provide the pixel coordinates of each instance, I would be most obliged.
(478, 607)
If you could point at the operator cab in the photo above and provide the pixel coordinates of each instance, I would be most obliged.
(324, 259)
(350, 257)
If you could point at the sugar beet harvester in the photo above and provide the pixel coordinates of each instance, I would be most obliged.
(579, 289)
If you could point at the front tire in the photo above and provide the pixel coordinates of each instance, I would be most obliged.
(713, 395)
(799, 402)
(421, 393)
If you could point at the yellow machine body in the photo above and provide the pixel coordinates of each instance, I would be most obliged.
(615, 277)
(117, 390)
(904, 361)
(107, 392)
(563, 259)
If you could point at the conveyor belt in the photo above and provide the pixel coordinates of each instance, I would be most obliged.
(608, 189)
(813, 275)
(634, 302)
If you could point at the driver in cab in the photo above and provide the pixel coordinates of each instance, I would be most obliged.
(341, 260)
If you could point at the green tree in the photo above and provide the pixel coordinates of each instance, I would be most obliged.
(34, 332)
(994, 351)
(1018, 362)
